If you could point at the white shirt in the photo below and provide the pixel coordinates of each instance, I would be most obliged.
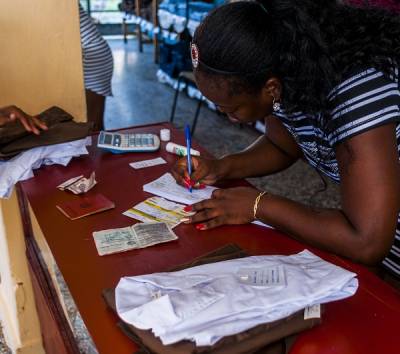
(208, 302)
(20, 167)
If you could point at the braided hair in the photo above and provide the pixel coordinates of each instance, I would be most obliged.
(310, 45)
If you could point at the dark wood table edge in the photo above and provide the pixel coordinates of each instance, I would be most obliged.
(43, 282)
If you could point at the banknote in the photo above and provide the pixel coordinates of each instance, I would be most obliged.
(79, 184)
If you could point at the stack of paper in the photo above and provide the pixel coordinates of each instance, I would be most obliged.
(132, 237)
(166, 187)
(160, 210)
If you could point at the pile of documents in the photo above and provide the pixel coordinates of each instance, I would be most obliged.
(132, 237)
(160, 210)
(208, 302)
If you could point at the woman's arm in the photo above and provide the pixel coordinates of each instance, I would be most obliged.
(370, 193)
(370, 189)
(271, 153)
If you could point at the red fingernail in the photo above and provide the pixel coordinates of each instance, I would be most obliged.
(202, 186)
(188, 208)
(200, 227)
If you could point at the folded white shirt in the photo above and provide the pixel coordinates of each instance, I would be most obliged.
(20, 167)
(208, 302)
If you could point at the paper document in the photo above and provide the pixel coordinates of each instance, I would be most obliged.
(132, 237)
(166, 187)
(160, 210)
(147, 163)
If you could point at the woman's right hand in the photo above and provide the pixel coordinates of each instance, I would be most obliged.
(204, 171)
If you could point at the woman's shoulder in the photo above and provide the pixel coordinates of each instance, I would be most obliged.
(358, 80)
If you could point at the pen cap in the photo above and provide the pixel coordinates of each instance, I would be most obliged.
(165, 135)
(180, 150)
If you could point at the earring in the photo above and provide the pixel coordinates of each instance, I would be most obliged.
(276, 106)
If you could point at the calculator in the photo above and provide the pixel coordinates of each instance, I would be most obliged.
(119, 143)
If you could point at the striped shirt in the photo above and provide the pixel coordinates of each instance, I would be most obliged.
(97, 57)
(364, 101)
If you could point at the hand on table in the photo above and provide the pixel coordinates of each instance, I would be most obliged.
(231, 206)
(12, 113)
(205, 171)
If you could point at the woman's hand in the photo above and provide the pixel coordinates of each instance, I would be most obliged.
(12, 113)
(226, 207)
(205, 171)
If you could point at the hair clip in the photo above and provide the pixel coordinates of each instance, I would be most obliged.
(194, 52)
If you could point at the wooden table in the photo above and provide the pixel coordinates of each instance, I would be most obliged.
(366, 323)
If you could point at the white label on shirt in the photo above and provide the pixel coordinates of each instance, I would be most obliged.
(270, 276)
(147, 163)
(313, 311)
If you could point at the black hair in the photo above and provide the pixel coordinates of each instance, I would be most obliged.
(310, 45)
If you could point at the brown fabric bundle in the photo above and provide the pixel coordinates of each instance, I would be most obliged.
(15, 139)
(262, 339)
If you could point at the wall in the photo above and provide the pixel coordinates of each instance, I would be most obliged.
(41, 60)
(40, 66)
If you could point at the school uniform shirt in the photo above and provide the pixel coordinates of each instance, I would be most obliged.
(208, 302)
(98, 62)
(364, 101)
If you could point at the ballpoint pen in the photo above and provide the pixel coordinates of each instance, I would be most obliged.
(189, 159)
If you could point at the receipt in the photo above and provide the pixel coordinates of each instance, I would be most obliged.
(147, 163)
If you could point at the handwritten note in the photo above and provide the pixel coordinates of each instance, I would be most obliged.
(166, 187)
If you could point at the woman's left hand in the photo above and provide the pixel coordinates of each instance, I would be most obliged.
(226, 207)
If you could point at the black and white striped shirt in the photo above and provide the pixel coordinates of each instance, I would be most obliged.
(97, 57)
(364, 101)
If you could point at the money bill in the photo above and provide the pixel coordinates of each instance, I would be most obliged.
(79, 184)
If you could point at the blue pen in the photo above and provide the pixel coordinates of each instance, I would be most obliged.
(188, 147)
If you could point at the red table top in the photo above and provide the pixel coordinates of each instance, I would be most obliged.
(366, 323)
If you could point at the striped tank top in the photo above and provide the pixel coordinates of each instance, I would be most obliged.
(97, 57)
(364, 101)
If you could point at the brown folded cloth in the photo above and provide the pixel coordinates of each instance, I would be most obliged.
(15, 139)
(261, 339)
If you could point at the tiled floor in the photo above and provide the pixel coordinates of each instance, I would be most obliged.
(140, 99)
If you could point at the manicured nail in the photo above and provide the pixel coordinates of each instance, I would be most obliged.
(188, 208)
(200, 227)
(189, 181)
(202, 186)
(185, 220)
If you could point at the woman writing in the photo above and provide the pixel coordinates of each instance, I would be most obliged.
(326, 78)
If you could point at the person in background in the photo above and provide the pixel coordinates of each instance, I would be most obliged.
(98, 68)
(11, 114)
(326, 77)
